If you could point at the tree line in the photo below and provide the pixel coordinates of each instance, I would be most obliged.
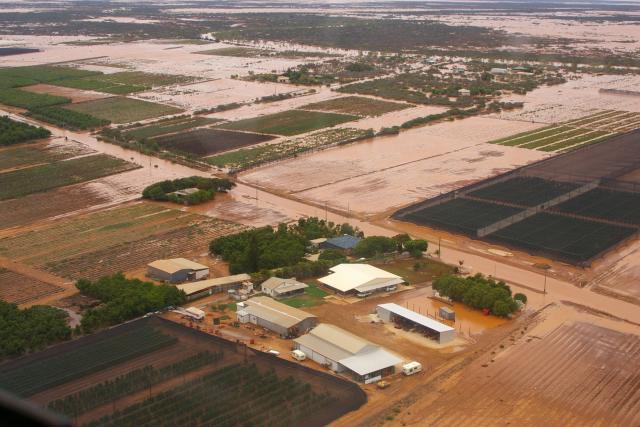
(480, 293)
(13, 132)
(206, 189)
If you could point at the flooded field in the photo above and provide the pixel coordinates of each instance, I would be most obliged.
(376, 176)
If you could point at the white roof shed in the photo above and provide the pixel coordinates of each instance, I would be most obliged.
(359, 277)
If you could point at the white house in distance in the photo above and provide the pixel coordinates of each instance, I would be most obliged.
(341, 351)
(360, 278)
(276, 287)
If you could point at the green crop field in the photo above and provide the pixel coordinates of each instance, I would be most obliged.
(24, 76)
(24, 99)
(45, 177)
(123, 110)
(357, 105)
(124, 82)
(292, 122)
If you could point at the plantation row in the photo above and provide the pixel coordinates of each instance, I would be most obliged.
(611, 205)
(461, 215)
(131, 382)
(12, 132)
(43, 374)
(66, 118)
(235, 395)
(565, 238)
(524, 191)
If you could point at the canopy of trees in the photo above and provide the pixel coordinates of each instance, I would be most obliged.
(124, 299)
(31, 329)
(375, 245)
(12, 132)
(260, 248)
(207, 188)
(314, 228)
(478, 292)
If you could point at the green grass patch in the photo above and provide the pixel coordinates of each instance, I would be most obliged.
(289, 123)
(67, 118)
(123, 110)
(357, 105)
(415, 271)
(24, 99)
(41, 178)
(312, 296)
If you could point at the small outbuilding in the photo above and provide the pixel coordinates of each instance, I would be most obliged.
(397, 314)
(204, 288)
(276, 287)
(360, 278)
(280, 318)
(283, 79)
(447, 313)
(344, 243)
(342, 351)
(177, 270)
(499, 71)
(464, 92)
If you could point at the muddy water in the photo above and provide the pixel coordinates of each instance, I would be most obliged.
(468, 322)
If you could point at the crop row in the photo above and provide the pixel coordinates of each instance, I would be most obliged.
(43, 374)
(131, 382)
(524, 191)
(611, 205)
(234, 395)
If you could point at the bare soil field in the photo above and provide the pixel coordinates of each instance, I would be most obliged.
(376, 176)
(576, 374)
(205, 142)
(19, 289)
(22, 156)
(120, 239)
(75, 95)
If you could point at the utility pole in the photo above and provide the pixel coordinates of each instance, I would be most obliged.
(545, 282)
(439, 247)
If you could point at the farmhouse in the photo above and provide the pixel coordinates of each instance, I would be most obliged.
(276, 287)
(344, 242)
(342, 351)
(280, 318)
(360, 278)
(283, 79)
(208, 287)
(396, 313)
(177, 270)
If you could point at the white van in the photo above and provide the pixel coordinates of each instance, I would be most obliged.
(411, 368)
(298, 355)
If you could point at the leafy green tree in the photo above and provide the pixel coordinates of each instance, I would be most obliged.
(520, 297)
(374, 245)
(333, 255)
(416, 247)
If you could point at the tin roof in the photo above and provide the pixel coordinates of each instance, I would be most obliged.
(201, 285)
(176, 264)
(416, 317)
(275, 312)
(362, 277)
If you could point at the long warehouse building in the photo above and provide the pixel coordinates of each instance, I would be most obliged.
(280, 318)
(398, 314)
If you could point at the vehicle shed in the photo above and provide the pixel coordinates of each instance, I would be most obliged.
(280, 318)
(177, 270)
(395, 313)
(213, 286)
(276, 287)
(342, 351)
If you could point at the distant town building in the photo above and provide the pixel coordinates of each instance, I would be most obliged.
(280, 318)
(276, 287)
(360, 278)
(464, 92)
(498, 71)
(177, 270)
(342, 351)
(397, 314)
(283, 79)
(204, 288)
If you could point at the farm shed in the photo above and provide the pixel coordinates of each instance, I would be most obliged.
(343, 351)
(344, 243)
(280, 318)
(177, 270)
(276, 287)
(464, 92)
(499, 71)
(396, 313)
(212, 286)
(360, 278)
